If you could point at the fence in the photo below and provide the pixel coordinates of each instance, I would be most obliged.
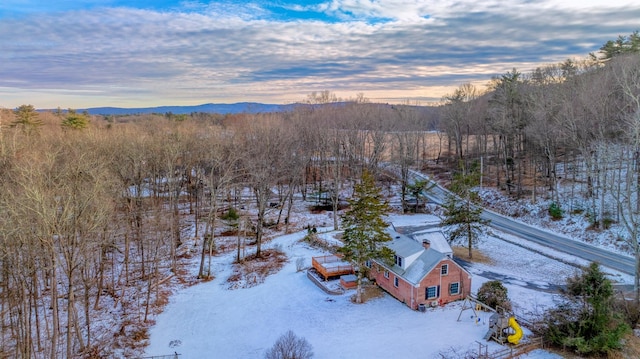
(169, 356)
(512, 351)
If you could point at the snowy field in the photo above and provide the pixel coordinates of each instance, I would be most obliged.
(209, 320)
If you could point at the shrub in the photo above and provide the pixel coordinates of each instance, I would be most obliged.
(555, 211)
(607, 222)
(494, 294)
(300, 264)
(289, 346)
(231, 215)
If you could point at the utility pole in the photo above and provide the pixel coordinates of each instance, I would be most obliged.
(481, 171)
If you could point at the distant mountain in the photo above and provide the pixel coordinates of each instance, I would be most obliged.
(224, 108)
(221, 108)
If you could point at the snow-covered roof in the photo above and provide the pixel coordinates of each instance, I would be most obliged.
(418, 261)
(436, 241)
(402, 245)
(416, 219)
(422, 266)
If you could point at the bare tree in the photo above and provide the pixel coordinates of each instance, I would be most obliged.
(331, 159)
(589, 117)
(627, 189)
(404, 146)
(457, 115)
(83, 208)
(544, 95)
(509, 117)
(290, 346)
(136, 168)
(221, 164)
(60, 200)
(263, 145)
(294, 172)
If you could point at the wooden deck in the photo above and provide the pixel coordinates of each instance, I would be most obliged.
(329, 289)
(331, 266)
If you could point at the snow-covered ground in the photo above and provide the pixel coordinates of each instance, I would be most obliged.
(209, 320)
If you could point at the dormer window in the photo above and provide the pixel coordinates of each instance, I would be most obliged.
(397, 260)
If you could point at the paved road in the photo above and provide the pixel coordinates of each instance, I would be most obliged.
(622, 263)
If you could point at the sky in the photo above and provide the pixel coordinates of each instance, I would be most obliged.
(91, 53)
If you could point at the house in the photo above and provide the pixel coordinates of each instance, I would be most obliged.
(424, 273)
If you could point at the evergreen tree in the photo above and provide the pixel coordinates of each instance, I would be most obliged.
(461, 212)
(586, 322)
(622, 45)
(417, 191)
(494, 294)
(365, 228)
(27, 119)
(75, 120)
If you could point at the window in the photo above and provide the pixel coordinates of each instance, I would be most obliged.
(386, 274)
(368, 263)
(454, 288)
(395, 281)
(444, 270)
(397, 260)
(431, 292)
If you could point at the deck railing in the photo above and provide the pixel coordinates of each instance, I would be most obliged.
(168, 356)
(331, 265)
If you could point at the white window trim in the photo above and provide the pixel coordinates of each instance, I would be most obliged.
(398, 260)
(386, 274)
(435, 291)
(451, 292)
(444, 268)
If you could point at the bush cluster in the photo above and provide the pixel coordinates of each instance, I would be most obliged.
(494, 294)
(555, 211)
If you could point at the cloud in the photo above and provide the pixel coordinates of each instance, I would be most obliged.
(211, 52)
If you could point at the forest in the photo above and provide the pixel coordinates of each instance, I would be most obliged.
(96, 211)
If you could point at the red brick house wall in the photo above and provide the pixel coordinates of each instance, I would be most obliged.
(403, 292)
(413, 296)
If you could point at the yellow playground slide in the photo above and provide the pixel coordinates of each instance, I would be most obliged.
(515, 337)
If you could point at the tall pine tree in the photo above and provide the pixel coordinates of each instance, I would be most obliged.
(621, 46)
(462, 214)
(586, 321)
(26, 118)
(365, 228)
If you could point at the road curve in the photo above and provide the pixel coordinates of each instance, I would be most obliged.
(626, 264)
